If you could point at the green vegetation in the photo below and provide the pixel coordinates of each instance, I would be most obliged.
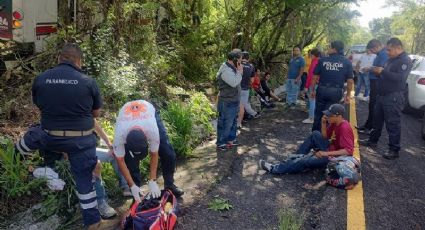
(220, 204)
(289, 220)
(14, 178)
(408, 24)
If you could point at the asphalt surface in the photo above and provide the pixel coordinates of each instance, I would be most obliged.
(394, 196)
(394, 190)
(258, 197)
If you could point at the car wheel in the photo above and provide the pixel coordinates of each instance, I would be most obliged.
(407, 108)
(423, 127)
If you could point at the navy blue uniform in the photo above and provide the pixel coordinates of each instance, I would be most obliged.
(248, 74)
(66, 98)
(333, 71)
(380, 60)
(390, 100)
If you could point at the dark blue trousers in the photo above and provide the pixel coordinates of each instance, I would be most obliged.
(82, 157)
(325, 97)
(167, 157)
(388, 110)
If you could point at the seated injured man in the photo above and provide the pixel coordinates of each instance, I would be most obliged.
(336, 139)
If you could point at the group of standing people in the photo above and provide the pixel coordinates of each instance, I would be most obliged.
(235, 78)
(332, 138)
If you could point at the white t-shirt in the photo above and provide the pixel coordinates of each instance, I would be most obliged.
(138, 114)
(366, 60)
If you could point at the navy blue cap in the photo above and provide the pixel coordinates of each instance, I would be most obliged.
(335, 109)
(136, 142)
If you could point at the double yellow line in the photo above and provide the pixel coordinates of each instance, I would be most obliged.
(355, 205)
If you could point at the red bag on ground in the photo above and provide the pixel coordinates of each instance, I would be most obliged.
(152, 214)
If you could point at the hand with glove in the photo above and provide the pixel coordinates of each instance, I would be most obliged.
(135, 191)
(154, 190)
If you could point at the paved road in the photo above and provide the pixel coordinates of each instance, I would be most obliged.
(394, 191)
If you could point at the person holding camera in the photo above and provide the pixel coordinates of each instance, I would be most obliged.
(229, 78)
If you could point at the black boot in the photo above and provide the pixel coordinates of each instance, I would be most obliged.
(175, 190)
(368, 143)
(390, 155)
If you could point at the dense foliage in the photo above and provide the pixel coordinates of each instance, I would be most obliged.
(408, 24)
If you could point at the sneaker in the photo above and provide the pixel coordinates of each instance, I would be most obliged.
(265, 166)
(222, 147)
(126, 192)
(175, 190)
(308, 121)
(233, 143)
(105, 210)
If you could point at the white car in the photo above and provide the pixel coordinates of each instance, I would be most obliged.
(415, 88)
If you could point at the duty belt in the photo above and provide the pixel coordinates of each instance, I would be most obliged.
(326, 85)
(69, 133)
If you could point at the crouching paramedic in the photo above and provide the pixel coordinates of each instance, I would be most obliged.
(138, 129)
(69, 100)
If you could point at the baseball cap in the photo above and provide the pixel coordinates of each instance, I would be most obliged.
(335, 109)
(136, 142)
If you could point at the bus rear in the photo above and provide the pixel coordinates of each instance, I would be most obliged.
(6, 20)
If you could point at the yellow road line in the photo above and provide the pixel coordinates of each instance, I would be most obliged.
(355, 204)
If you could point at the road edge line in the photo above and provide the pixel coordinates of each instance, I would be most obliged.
(355, 202)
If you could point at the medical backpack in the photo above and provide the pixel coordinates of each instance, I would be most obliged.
(152, 214)
(343, 172)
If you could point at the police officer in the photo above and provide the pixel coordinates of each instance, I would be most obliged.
(69, 100)
(375, 46)
(333, 71)
(390, 98)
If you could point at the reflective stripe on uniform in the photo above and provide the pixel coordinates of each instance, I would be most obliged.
(89, 205)
(86, 196)
(22, 142)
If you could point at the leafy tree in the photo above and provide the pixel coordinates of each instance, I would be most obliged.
(381, 28)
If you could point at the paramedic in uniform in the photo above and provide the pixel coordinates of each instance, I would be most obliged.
(390, 99)
(69, 100)
(330, 75)
(138, 129)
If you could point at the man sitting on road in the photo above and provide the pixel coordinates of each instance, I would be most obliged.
(138, 129)
(335, 139)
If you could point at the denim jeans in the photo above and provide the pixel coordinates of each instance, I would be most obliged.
(226, 123)
(305, 161)
(292, 89)
(103, 156)
(246, 104)
(311, 104)
(325, 97)
(363, 80)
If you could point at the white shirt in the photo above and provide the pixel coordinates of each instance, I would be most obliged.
(366, 60)
(138, 114)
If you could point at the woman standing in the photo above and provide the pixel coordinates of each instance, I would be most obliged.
(311, 101)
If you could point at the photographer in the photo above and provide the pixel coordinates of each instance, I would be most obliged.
(229, 77)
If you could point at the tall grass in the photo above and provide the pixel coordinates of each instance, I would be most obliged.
(179, 123)
(14, 177)
(288, 220)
